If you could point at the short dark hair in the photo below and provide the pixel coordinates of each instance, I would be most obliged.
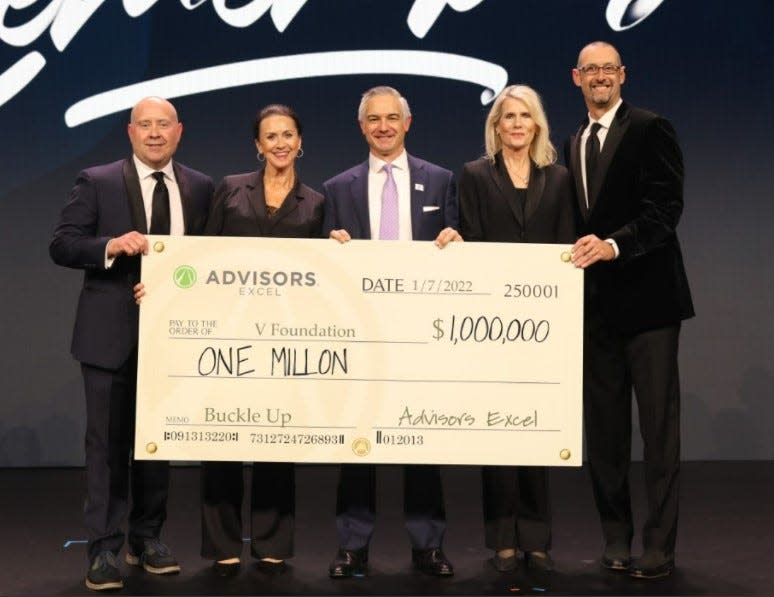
(276, 110)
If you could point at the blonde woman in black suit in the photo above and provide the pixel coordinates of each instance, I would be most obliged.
(516, 193)
(269, 202)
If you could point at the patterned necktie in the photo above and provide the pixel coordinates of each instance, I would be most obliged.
(388, 224)
(592, 153)
(160, 206)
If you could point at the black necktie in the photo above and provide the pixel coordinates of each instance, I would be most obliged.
(592, 153)
(160, 207)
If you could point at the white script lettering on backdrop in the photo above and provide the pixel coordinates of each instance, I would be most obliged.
(65, 18)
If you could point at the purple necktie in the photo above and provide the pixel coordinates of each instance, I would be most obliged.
(388, 226)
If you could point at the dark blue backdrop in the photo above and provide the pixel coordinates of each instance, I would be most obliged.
(705, 65)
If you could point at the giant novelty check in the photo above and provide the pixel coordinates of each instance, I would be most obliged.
(368, 351)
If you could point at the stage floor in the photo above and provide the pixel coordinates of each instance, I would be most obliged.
(725, 544)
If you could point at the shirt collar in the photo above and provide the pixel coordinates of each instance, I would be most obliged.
(607, 118)
(376, 164)
(144, 171)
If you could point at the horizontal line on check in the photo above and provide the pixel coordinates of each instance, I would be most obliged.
(304, 339)
(428, 293)
(321, 378)
(260, 426)
(408, 429)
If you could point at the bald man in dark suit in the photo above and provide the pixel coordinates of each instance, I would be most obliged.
(628, 173)
(101, 230)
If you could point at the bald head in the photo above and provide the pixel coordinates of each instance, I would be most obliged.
(597, 45)
(154, 131)
(153, 101)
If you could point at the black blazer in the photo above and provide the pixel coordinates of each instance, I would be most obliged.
(239, 209)
(637, 201)
(489, 212)
(106, 202)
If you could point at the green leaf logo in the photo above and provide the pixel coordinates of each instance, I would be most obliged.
(184, 276)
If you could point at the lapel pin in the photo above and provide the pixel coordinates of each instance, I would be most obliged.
(419, 186)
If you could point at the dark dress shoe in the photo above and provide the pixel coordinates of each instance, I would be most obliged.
(225, 570)
(617, 557)
(271, 567)
(539, 561)
(432, 561)
(507, 564)
(652, 565)
(349, 563)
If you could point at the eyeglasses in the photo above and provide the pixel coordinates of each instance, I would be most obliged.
(593, 69)
(146, 125)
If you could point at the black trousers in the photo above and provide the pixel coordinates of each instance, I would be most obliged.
(614, 364)
(423, 508)
(272, 510)
(110, 409)
(516, 508)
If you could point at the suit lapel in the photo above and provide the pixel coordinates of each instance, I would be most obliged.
(537, 183)
(134, 194)
(504, 184)
(184, 187)
(358, 189)
(289, 205)
(575, 166)
(613, 139)
(417, 184)
(257, 201)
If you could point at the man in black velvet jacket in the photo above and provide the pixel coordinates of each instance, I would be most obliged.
(628, 173)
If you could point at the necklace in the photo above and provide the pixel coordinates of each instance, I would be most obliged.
(524, 181)
(512, 171)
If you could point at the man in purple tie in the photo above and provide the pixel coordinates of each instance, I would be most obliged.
(390, 196)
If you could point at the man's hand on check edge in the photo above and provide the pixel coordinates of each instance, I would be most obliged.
(340, 235)
(139, 292)
(446, 236)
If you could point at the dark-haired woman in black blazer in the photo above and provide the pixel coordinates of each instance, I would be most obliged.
(269, 202)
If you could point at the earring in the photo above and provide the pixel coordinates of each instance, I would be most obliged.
(300, 153)
(260, 157)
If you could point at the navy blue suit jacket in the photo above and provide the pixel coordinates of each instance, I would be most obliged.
(346, 201)
(105, 203)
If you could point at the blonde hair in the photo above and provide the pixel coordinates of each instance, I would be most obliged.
(541, 150)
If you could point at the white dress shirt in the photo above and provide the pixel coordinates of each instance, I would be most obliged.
(147, 184)
(605, 121)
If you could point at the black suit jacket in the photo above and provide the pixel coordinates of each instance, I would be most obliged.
(433, 201)
(489, 212)
(637, 201)
(239, 209)
(106, 202)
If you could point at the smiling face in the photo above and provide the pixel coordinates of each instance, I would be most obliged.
(154, 132)
(278, 140)
(601, 91)
(516, 126)
(384, 126)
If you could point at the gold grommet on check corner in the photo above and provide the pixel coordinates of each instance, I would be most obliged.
(151, 448)
(158, 246)
(361, 446)
(565, 454)
(566, 256)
